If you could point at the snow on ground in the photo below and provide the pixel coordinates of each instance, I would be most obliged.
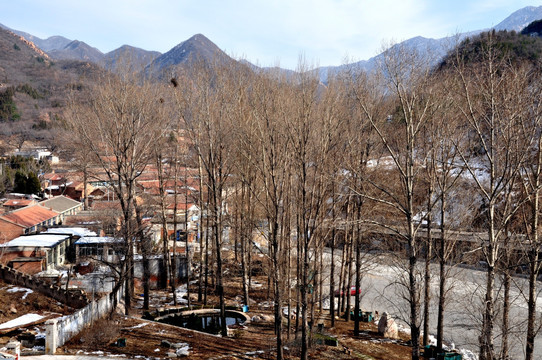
(21, 321)
(180, 293)
(17, 289)
(467, 354)
(464, 282)
(138, 326)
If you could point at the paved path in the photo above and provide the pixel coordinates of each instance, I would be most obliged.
(383, 291)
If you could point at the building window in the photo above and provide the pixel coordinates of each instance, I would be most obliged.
(90, 251)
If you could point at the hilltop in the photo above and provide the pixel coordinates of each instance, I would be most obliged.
(34, 88)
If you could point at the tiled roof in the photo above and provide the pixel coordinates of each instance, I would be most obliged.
(106, 205)
(30, 215)
(60, 203)
(52, 177)
(19, 202)
(180, 206)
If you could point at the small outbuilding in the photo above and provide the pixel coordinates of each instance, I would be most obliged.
(35, 253)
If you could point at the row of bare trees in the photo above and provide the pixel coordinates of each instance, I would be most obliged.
(403, 149)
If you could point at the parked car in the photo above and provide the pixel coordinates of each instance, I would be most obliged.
(352, 291)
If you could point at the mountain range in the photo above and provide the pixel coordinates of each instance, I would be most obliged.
(438, 48)
(198, 46)
(39, 76)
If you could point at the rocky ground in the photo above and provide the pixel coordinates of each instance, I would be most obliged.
(16, 301)
(145, 339)
(150, 340)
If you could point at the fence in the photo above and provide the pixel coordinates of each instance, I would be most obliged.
(61, 330)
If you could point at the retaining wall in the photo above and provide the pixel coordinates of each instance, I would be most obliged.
(61, 330)
(74, 299)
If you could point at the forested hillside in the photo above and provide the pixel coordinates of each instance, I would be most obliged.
(34, 90)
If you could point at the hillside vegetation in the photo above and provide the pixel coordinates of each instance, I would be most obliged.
(508, 45)
(34, 89)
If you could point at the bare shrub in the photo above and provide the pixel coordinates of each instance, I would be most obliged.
(103, 331)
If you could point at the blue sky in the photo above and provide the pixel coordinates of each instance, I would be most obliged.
(266, 32)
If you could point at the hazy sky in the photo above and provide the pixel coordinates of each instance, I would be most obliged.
(266, 32)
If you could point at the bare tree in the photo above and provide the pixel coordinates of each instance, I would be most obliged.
(531, 174)
(487, 99)
(270, 107)
(117, 125)
(205, 105)
(405, 83)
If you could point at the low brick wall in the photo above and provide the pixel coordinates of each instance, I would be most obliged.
(61, 330)
(75, 299)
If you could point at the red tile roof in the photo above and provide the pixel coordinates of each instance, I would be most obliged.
(106, 205)
(19, 202)
(30, 216)
(180, 206)
(52, 176)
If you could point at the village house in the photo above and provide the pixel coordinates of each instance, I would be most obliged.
(32, 254)
(14, 204)
(75, 232)
(98, 248)
(27, 220)
(63, 205)
(187, 225)
(73, 189)
(52, 179)
(9, 230)
(38, 154)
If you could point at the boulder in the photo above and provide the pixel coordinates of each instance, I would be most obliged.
(262, 318)
(387, 327)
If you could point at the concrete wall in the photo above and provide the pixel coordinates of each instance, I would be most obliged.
(157, 269)
(61, 330)
(70, 298)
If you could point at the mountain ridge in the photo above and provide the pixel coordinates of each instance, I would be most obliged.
(438, 48)
(198, 45)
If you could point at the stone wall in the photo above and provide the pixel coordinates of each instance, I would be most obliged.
(74, 299)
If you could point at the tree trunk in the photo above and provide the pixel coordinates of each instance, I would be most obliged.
(348, 282)
(358, 275)
(506, 315)
(276, 282)
(201, 231)
(534, 266)
(442, 273)
(427, 278)
(207, 229)
(531, 304)
(145, 250)
(340, 298)
(332, 276)
(246, 233)
(85, 189)
(187, 247)
(487, 347)
(304, 301)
